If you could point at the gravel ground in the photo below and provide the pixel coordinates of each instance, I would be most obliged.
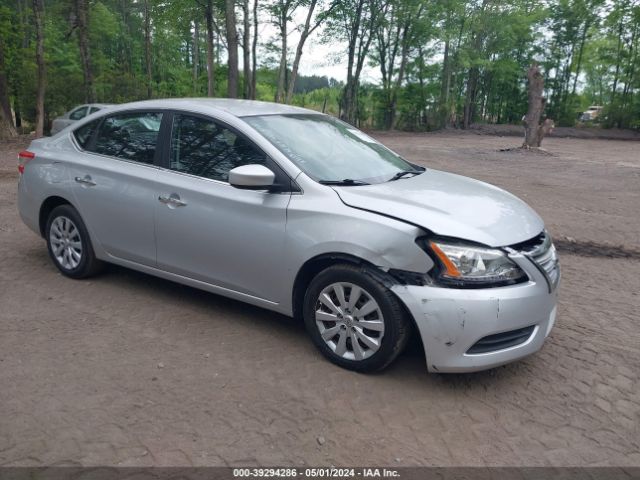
(127, 369)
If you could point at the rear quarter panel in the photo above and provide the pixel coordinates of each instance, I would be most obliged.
(47, 175)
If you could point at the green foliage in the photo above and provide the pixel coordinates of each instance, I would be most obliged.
(438, 60)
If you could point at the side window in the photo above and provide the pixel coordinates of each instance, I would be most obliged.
(204, 148)
(84, 133)
(78, 113)
(94, 109)
(130, 136)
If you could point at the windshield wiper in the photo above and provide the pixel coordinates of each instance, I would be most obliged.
(403, 173)
(345, 182)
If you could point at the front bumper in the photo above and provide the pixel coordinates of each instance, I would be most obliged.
(451, 321)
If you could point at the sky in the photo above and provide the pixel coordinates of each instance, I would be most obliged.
(317, 58)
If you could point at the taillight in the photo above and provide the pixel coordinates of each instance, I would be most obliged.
(23, 158)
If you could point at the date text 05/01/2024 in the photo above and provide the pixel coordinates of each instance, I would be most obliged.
(321, 472)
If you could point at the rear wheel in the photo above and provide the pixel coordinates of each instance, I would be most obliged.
(353, 319)
(69, 244)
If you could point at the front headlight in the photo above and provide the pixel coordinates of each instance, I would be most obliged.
(472, 266)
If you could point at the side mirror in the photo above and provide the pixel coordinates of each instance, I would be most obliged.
(252, 177)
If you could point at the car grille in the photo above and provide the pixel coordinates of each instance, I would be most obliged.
(500, 341)
(541, 251)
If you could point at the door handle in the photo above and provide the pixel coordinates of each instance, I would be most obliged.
(172, 200)
(86, 180)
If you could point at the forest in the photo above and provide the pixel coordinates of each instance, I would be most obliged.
(439, 63)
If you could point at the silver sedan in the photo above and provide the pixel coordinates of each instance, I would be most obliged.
(75, 114)
(300, 213)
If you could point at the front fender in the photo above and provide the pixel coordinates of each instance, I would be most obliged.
(327, 226)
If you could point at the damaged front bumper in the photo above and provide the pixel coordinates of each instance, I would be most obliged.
(452, 321)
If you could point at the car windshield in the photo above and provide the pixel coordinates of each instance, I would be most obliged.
(329, 150)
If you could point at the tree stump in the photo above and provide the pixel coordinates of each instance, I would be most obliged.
(534, 130)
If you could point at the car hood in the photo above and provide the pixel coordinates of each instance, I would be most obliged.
(450, 205)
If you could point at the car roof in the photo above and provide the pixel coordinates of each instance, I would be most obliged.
(102, 105)
(235, 107)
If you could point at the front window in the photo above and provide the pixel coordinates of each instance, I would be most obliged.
(329, 150)
(202, 147)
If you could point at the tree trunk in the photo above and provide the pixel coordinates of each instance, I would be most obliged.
(580, 52)
(147, 45)
(196, 55)
(82, 25)
(618, 60)
(232, 46)
(126, 55)
(38, 14)
(470, 97)
(282, 71)
(445, 82)
(631, 66)
(246, 52)
(404, 58)
(349, 94)
(7, 129)
(254, 49)
(210, 65)
(303, 38)
(534, 131)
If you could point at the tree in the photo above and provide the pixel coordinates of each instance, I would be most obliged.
(210, 64)
(246, 49)
(438, 63)
(254, 49)
(196, 55)
(613, 65)
(147, 46)
(396, 36)
(571, 23)
(307, 29)
(534, 129)
(478, 35)
(354, 21)
(38, 18)
(82, 27)
(232, 47)
(7, 129)
(281, 12)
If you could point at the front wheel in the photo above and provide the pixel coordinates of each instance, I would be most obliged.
(353, 319)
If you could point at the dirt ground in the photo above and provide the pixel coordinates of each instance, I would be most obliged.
(127, 369)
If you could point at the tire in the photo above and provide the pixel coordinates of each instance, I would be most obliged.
(69, 244)
(359, 285)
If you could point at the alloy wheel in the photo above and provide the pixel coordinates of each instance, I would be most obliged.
(66, 243)
(349, 320)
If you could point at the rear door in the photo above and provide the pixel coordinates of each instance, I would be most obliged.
(212, 231)
(115, 182)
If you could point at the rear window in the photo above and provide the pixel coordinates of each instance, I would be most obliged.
(130, 136)
(84, 133)
(78, 114)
